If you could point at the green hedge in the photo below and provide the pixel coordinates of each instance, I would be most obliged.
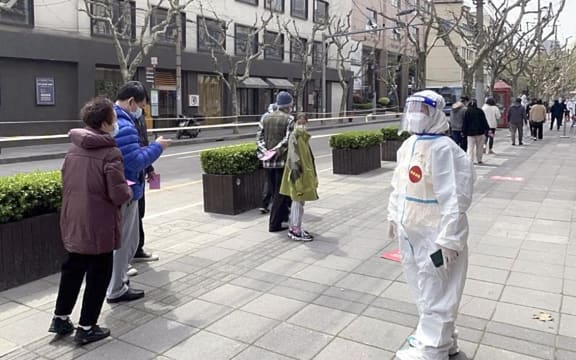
(391, 133)
(27, 195)
(362, 106)
(384, 101)
(356, 139)
(230, 160)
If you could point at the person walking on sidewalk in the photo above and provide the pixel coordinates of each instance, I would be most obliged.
(456, 121)
(93, 190)
(272, 142)
(516, 120)
(432, 188)
(148, 174)
(300, 180)
(493, 115)
(537, 118)
(129, 103)
(475, 128)
(556, 114)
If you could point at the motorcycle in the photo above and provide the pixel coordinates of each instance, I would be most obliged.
(185, 122)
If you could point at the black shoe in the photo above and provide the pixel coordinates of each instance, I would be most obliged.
(96, 333)
(281, 228)
(521, 144)
(514, 144)
(264, 210)
(130, 295)
(143, 255)
(61, 327)
(303, 236)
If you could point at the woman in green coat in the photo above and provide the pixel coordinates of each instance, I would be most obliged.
(300, 180)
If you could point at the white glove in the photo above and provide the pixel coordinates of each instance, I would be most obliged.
(450, 256)
(392, 230)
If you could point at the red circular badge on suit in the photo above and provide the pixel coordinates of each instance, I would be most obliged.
(415, 174)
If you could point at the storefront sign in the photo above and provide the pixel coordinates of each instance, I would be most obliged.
(45, 91)
(154, 102)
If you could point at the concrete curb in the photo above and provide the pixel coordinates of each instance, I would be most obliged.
(61, 155)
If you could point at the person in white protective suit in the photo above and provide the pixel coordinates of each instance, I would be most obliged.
(432, 190)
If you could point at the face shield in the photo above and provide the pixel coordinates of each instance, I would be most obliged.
(423, 114)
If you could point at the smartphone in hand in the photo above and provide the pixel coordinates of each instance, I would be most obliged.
(437, 258)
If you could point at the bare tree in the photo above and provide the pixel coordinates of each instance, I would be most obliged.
(423, 33)
(132, 41)
(482, 40)
(345, 47)
(233, 68)
(308, 55)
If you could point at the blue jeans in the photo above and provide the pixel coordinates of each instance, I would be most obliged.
(460, 139)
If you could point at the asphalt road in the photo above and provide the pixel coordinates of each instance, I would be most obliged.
(180, 165)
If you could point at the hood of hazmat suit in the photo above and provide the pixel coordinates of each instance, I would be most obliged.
(432, 190)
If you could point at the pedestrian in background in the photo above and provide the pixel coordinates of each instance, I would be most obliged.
(516, 120)
(148, 174)
(493, 115)
(456, 120)
(538, 118)
(556, 112)
(475, 127)
(300, 180)
(93, 190)
(272, 141)
(130, 101)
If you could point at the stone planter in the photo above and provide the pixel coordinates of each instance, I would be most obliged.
(232, 194)
(355, 161)
(30, 249)
(390, 148)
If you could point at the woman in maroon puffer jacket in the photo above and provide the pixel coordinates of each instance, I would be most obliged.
(94, 188)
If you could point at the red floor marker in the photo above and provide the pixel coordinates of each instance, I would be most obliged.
(393, 255)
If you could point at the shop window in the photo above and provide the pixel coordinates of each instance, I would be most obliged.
(299, 9)
(159, 15)
(275, 46)
(216, 29)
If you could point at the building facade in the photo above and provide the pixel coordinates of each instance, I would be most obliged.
(386, 66)
(53, 58)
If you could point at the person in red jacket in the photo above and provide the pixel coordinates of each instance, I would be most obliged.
(93, 189)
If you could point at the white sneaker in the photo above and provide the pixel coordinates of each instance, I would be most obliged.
(132, 271)
(409, 354)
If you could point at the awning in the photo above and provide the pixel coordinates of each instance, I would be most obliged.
(280, 83)
(254, 83)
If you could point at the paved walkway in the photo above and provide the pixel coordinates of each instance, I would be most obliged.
(225, 288)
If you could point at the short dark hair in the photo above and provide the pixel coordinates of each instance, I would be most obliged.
(473, 103)
(518, 101)
(97, 111)
(490, 101)
(464, 98)
(539, 102)
(132, 89)
(302, 115)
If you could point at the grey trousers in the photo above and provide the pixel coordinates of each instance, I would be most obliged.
(516, 128)
(124, 255)
(296, 214)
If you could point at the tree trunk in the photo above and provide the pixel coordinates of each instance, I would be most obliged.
(235, 109)
(344, 101)
(126, 76)
(298, 96)
(468, 83)
(515, 90)
(421, 70)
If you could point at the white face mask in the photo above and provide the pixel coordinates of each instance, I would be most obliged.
(417, 122)
(114, 130)
(137, 114)
(300, 126)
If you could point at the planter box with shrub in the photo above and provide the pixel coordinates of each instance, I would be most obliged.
(232, 179)
(391, 142)
(355, 152)
(30, 243)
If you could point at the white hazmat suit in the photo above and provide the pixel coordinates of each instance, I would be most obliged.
(432, 190)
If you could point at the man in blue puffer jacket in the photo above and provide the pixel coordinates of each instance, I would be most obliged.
(130, 100)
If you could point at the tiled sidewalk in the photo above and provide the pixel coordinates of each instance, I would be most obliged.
(227, 289)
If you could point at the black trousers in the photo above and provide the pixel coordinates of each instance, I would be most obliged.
(266, 193)
(98, 271)
(558, 121)
(280, 203)
(538, 128)
(490, 139)
(141, 212)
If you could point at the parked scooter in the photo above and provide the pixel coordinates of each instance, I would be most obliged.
(189, 122)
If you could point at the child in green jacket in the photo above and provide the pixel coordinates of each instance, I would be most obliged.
(300, 180)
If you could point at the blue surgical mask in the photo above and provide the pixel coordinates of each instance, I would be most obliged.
(115, 130)
(136, 114)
